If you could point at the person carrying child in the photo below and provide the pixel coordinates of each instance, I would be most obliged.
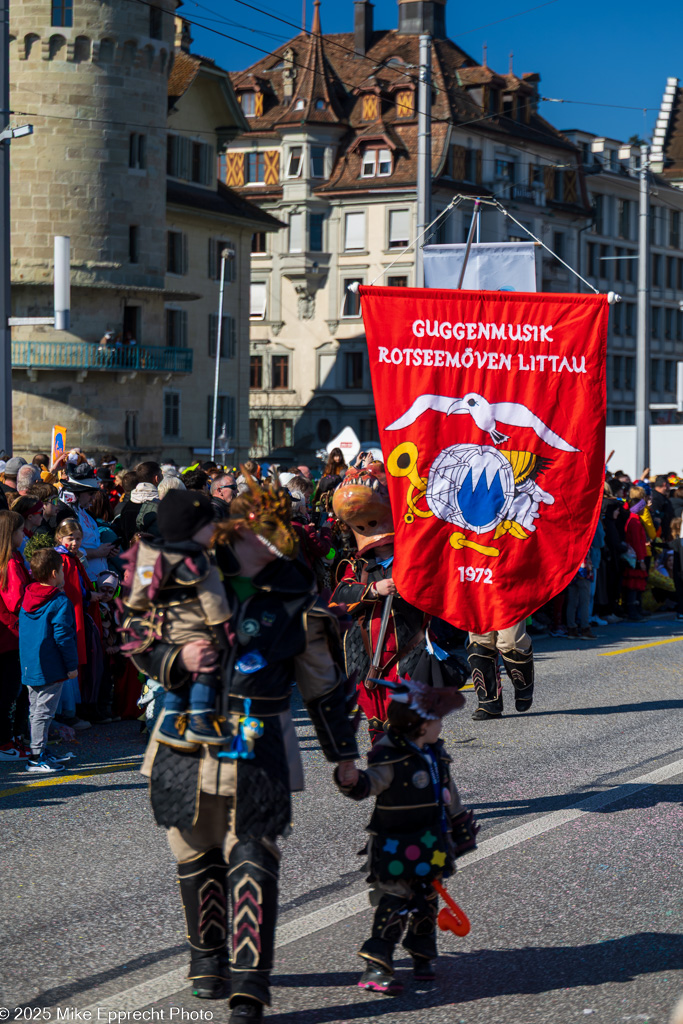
(48, 653)
(14, 579)
(417, 829)
(175, 583)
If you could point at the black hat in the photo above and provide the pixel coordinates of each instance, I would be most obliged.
(181, 513)
(82, 478)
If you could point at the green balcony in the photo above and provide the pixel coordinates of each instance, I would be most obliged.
(82, 355)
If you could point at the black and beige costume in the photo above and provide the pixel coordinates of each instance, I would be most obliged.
(515, 648)
(413, 812)
(224, 816)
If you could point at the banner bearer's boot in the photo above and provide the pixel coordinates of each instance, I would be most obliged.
(520, 667)
(253, 876)
(203, 892)
(486, 678)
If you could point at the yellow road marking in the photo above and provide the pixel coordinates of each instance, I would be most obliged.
(69, 777)
(641, 647)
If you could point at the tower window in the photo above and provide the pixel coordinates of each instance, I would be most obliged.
(155, 23)
(137, 151)
(63, 13)
(133, 243)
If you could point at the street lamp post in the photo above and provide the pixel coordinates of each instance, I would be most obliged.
(226, 254)
(643, 318)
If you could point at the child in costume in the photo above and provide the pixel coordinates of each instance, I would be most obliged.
(417, 829)
(179, 591)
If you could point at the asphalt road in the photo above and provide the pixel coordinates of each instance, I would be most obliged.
(574, 894)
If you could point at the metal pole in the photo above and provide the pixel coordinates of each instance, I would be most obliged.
(643, 316)
(5, 243)
(424, 152)
(217, 373)
(470, 235)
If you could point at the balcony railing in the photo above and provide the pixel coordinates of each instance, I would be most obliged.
(83, 355)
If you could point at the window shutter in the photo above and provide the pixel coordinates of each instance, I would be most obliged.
(370, 108)
(458, 162)
(570, 190)
(231, 333)
(355, 231)
(212, 259)
(404, 103)
(532, 168)
(549, 182)
(183, 328)
(258, 104)
(213, 320)
(184, 255)
(478, 166)
(234, 170)
(271, 162)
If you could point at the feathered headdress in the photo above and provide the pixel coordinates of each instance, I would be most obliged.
(428, 702)
(266, 511)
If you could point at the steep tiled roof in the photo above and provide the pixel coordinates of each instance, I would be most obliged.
(673, 146)
(326, 67)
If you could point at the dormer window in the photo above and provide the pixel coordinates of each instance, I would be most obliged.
(248, 100)
(320, 105)
(376, 163)
(300, 104)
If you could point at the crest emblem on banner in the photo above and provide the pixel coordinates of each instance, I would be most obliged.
(494, 448)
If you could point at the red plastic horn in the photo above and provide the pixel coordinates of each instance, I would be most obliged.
(451, 918)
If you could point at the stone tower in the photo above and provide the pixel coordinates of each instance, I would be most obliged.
(92, 79)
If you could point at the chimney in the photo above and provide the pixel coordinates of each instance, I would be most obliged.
(422, 17)
(362, 26)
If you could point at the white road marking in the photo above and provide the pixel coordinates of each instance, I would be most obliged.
(173, 981)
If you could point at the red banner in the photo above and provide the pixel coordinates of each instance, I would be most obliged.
(491, 409)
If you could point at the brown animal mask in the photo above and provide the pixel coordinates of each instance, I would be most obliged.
(362, 502)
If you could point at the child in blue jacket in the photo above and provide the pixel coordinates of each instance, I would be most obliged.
(47, 652)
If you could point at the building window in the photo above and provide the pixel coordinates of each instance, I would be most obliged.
(171, 414)
(616, 318)
(655, 369)
(256, 433)
(228, 336)
(257, 300)
(505, 170)
(679, 325)
(669, 324)
(669, 375)
(131, 429)
(217, 246)
(631, 264)
(376, 163)
(155, 23)
(605, 262)
(558, 244)
(630, 316)
(176, 328)
(282, 433)
(131, 324)
(670, 272)
(176, 252)
(225, 416)
(624, 218)
(279, 373)
(675, 229)
(294, 164)
(255, 168)
(63, 13)
(351, 298)
(201, 168)
(353, 370)
(296, 232)
(399, 229)
(655, 321)
(133, 243)
(324, 430)
(258, 243)
(618, 264)
(591, 262)
(315, 232)
(656, 270)
(397, 282)
(354, 232)
(248, 101)
(616, 373)
(629, 371)
(599, 214)
(368, 428)
(256, 373)
(317, 161)
(137, 151)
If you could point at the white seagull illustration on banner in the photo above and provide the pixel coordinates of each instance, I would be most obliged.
(486, 415)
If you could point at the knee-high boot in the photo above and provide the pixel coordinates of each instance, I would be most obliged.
(203, 892)
(252, 876)
(486, 678)
(520, 667)
(387, 928)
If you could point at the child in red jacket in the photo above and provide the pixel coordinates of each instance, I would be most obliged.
(14, 579)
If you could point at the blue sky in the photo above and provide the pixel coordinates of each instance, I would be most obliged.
(593, 51)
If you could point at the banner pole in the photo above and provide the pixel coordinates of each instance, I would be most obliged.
(470, 236)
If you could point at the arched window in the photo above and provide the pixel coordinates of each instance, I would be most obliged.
(31, 42)
(129, 50)
(324, 431)
(106, 51)
(57, 47)
(148, 56)
(82, 49)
